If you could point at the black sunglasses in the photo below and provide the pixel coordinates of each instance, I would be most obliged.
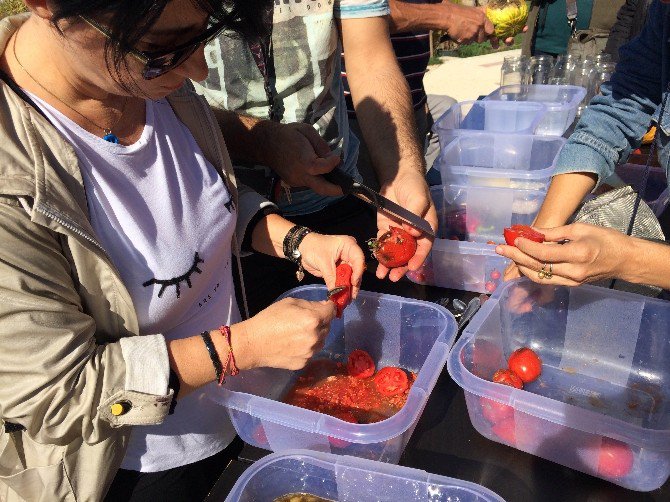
(156, 63)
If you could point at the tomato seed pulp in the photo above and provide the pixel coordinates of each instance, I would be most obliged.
(326, 387)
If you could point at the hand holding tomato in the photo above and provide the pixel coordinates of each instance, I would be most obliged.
(284, 335)
(394, 248)
(321, 254)
(342, 280)
(515, 231)
(411, 192)
(589, 253)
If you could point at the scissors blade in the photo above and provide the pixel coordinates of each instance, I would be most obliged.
(334, 291)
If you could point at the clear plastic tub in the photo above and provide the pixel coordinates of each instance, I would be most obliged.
(396, 331)
(490, 116)
(561, 101)
(502, 160)
(342, 478)
(601, 404)
(471, 221)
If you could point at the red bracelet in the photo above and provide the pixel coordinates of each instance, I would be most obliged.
(230, 360)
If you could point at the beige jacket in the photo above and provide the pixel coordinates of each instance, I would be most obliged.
(68, 344)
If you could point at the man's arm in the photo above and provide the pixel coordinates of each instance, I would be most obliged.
(294, 151)
(462, 24)
(384, 110)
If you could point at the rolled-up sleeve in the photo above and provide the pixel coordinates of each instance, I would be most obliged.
(55, 379)
(613, 124)
(352, 9)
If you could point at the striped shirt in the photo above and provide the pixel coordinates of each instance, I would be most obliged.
(413, 52)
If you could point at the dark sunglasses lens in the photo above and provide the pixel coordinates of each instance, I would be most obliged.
(157, 67)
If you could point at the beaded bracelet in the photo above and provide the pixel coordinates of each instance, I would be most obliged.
(292, 240)
(213, 354)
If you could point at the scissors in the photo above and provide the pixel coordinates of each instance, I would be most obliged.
(350, 186)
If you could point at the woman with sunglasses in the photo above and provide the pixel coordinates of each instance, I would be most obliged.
(120, 223)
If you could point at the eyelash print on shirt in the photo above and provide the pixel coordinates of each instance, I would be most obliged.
(175, 281)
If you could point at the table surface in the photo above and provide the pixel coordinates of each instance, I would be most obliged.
(445, 442)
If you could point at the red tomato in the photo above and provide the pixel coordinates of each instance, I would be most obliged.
(360, 364)
(505, 430)
(511, 234)
(391, 381)
(259, 436)
(494, 411)
(508, 377)
(495, 275)
(394, 248)
(490, 286)
(526, 364)
(616, 459)
(347, 416)
(342, 278)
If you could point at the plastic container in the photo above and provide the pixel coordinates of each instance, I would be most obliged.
(396, 331)
(471, 221)
(502, 160)
(490, 116)
(601, 404)
(562, 102)
(343, 478)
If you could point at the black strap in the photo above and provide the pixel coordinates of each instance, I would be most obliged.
(10, 427)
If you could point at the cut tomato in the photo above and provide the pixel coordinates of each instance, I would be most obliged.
(391, 381)
(394, 248)
(508, 377)
(360, 364)
(342, 279)
(511, 234)
(526, 364)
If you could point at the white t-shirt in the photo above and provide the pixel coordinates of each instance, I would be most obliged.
(166, 219)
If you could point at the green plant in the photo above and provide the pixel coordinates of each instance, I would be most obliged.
(9, 7)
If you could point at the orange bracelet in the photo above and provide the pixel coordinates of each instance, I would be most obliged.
(230, 360)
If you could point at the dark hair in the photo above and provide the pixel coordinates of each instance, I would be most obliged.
(129, 20)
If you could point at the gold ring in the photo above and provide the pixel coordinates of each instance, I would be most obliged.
(550, 274)
(542, 273)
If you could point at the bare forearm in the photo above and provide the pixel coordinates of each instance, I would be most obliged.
(646, 263)
(248, 139)
(268, 235)
(563, 197)
(407, 16)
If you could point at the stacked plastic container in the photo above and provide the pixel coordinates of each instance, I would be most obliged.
(395, 331)
(496, 160)
(348, 479)
(601, 404)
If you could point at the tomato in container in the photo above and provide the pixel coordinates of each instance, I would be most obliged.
(493, 411)
(615, 459)
(391, 381)
(526, 364)
(508, 377)
(393, 248)
(360, 364)
(342, 391)
(515, 231)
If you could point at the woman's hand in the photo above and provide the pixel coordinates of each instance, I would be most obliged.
(590, 253)
(411, 192)
(321, 254)
(284, 335)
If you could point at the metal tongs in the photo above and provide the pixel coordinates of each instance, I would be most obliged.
(350, 186)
